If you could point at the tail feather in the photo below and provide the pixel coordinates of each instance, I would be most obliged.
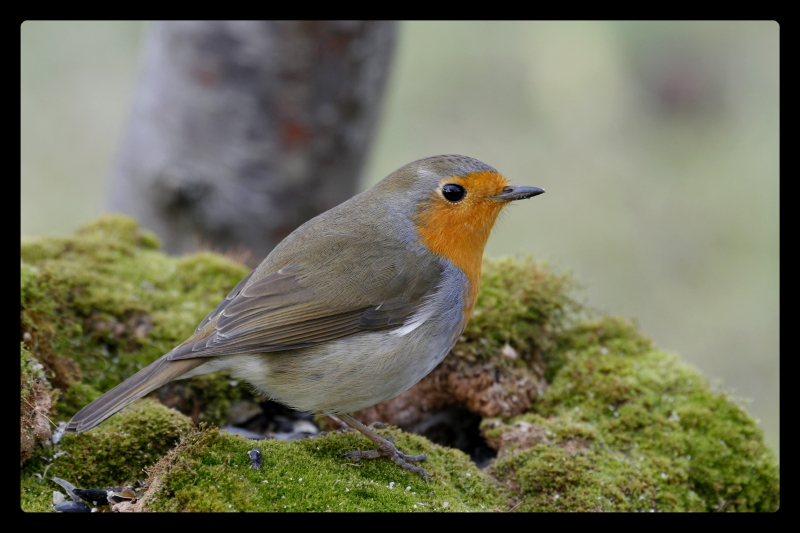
(146, 380)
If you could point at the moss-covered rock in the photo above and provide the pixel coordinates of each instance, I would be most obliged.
(211, 471)
(113, 454)
(522, 303)
(626, 427)
(99, 305)
(587, 413)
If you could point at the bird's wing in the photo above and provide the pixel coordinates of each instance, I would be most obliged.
(310, 302)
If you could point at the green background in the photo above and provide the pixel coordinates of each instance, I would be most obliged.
(657, 143)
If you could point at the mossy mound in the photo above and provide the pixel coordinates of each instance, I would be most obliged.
(589, 415)
(626, 427)
(211, 471)
(113, 454)
(99, 305)
(522, 303)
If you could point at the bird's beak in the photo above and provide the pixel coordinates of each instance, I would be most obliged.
(515, 192)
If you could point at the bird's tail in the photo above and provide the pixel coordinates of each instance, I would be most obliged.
(146, 380)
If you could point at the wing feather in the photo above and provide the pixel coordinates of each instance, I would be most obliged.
(292, 308)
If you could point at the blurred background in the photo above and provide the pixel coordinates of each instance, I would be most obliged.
(657, 143)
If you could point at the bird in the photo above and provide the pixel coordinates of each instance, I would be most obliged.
(353, 307)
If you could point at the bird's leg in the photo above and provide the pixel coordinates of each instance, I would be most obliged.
(340, 426)
(385, 447)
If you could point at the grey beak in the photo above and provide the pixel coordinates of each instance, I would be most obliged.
(516, 192)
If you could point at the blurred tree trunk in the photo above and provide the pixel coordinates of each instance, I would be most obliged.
(242, 131)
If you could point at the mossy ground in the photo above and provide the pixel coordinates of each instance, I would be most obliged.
(211, 471)
(626, 427)
(113, 454)
(619, 426)
(523, 303)
(100, 305)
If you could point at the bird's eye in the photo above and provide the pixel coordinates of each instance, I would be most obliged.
(453, 193)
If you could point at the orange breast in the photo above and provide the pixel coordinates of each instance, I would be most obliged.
(459, 231)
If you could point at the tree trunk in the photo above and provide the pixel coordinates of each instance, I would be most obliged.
(242, 131)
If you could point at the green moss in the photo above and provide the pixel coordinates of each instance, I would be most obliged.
(621, 425)
(112, 455)
(625, 427)
(570, 468)
(211, 471)
(101, 304)
(521, 302)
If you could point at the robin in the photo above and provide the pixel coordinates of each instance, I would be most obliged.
(353, 307)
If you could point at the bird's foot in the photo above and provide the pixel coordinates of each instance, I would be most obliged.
(386, 448)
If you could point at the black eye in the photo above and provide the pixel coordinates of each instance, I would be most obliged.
(453, 193)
